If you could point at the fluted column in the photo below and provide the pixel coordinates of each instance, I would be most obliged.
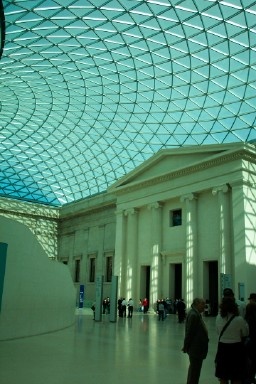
(156, 287)
(191, 259)
(120, 264)
(224, 229)
(132, 254)
(100, 258)
(243, 215)
(84, 261)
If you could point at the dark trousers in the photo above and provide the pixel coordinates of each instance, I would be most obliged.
(161, 314)
(194, 370)
(123, 310)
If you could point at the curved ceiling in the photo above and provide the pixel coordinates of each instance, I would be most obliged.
(91, 89)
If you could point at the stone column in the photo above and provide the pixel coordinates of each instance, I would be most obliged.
(156, 286)
(243, 216)
(224, 229)
(191, 259)
(71, 247)
(100, 255)
(84, 259)
(132, 254)
(120, 262)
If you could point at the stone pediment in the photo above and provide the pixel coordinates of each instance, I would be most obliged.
(169, 161)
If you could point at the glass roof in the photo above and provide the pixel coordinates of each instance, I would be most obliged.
(90, 89)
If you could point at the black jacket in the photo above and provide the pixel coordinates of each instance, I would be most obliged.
(196, 335)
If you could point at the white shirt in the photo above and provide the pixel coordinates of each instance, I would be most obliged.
(237, 329)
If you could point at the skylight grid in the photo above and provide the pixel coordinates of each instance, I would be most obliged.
(89, 92)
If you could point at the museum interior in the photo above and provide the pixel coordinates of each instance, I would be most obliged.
(128, 171)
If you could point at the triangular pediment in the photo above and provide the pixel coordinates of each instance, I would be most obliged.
(169, 161)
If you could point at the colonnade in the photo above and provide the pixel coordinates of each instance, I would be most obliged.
(127, 258)
(127, 265)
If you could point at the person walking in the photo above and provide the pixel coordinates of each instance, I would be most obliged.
(130, 307)
(196, 340)
(93, 310)
(230, 361)
(145, 305)
(119, 307)
(124, 305)
(181, 309)
(161, 310)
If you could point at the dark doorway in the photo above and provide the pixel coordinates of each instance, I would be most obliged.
(178, 281)
(175, 281)
(145, 282)
(213, 286)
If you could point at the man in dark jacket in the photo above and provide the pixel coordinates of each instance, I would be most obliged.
(181, 309)
(196, 340)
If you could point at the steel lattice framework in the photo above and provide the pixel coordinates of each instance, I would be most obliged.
(92, 88)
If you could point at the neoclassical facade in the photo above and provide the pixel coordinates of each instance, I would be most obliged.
(180, 225)
(186, 224)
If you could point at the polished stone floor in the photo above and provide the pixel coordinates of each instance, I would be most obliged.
(136, 350)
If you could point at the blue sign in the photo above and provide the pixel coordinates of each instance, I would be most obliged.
(81, 296)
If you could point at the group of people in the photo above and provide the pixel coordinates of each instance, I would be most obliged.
(235, 360)
(123, 305)
(162, 309)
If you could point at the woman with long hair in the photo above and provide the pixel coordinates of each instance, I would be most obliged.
(230, 358)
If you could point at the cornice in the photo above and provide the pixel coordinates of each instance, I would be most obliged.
(242, 153)
(86, 211)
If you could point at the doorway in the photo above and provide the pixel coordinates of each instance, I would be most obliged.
(211, 285)
(145, 282)
(175, 281)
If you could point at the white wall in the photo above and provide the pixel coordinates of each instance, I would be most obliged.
(38, 294)
(87, 228)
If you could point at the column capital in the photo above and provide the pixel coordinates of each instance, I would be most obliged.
(188, 197)
(119, 212)
(221, 188)
(155, 205)
(131, 211)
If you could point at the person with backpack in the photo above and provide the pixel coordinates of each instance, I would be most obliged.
(230, 361)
